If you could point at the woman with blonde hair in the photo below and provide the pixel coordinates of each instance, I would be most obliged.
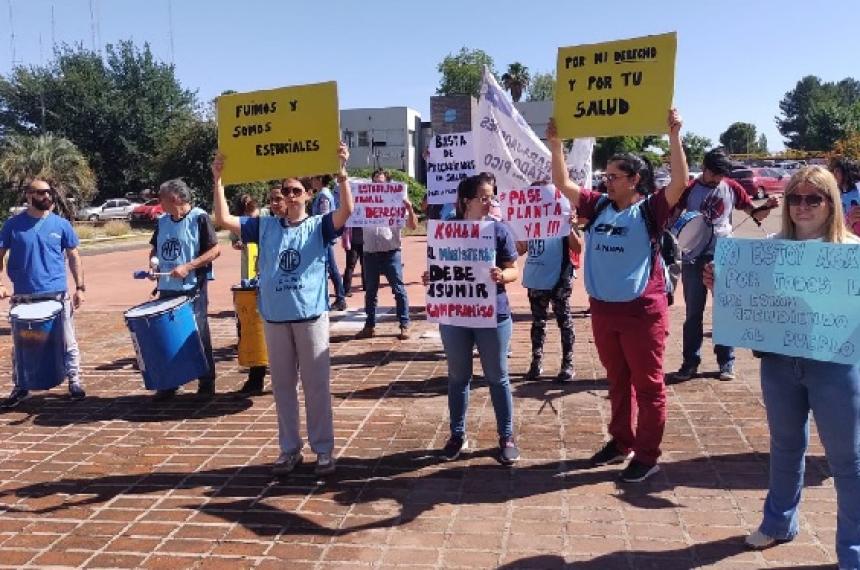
(792, 386)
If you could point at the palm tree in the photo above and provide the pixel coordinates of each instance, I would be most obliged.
(516, 80)
(50, 158)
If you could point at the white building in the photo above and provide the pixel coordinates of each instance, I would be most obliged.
(389, 137)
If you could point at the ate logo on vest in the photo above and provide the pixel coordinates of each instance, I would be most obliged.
(171, 249)
(536, 247)
(290, 260)
(610, 230)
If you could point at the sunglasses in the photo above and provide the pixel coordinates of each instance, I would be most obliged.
(811, 200)
(292, 191)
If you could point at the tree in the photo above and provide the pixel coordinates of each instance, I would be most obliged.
(118, 110)
(761, 144)
(816, 114)
(542, 87)
(740, 138)
(849, 146)
(695, 148)
(461, 73)
(516, 80)
(50, 158)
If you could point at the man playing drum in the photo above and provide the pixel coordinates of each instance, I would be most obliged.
(714, 195)
(39, 242)
(186, 244)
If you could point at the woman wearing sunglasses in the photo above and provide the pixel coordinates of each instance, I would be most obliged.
(293, 302)
(625, 280)
(792, 386)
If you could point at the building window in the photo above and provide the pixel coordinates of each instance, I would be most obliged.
(362, 138)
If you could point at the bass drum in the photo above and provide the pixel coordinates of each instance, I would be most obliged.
(694, 235)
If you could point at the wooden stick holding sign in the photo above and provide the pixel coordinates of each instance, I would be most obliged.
(291, 131)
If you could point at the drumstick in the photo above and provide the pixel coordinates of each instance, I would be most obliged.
(755, 210)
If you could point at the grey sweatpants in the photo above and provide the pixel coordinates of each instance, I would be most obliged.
(301, 349)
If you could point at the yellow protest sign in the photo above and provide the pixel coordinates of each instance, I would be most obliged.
(291, 131)
(615, 88)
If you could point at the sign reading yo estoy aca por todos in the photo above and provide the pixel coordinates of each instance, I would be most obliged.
(615, 88)
(271, 134)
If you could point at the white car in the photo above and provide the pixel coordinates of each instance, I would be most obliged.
(115, 209)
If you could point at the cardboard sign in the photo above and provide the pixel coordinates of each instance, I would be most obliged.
(377, 204)
(537, 212)
(615, 88)
(460, 255)
(451, 159)
(799, 298)
(291, 131)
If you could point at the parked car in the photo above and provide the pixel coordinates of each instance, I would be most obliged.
(116, 209)
(760, 182)
(146, 213)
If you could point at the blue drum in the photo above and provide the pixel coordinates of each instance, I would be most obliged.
(694, 235)
(37, 335)
(167, 342)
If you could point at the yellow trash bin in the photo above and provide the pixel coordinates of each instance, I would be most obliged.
(249, 324)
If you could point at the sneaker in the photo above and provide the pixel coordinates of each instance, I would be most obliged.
(609, 455)
(566, 374)
(686, 372)
(205, 389)
(366, 332)
(325, 464)
(534, 371)
(509, 453)
(636, 471)
(455, 445)
(287, 462)
(76, 391)
(757, 540)
(727, 372)
(164, 395)
(252, 387)
(339, 305)
(404, 332)
(17, 396)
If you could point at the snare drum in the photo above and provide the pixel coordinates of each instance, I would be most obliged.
(694, 235)
(37, 335)
(167, 342)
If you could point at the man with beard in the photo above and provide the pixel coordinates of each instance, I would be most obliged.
(38, 242)
(715, 196)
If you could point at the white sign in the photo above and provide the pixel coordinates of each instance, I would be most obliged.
(451, 158)
(579, 161)
(537, 212)
(378, 204)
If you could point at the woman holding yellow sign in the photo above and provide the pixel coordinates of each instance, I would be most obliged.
(624, 277)
(293, 301)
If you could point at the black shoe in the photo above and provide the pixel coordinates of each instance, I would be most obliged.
(17, 396)
(366, 332)
(76, 391)
(252, 387)
(509, 453)
(609, 454)
(164, 395)
(339, 305)
(205, 389)
(636, 471)
(534, 371)
(454, 447)
(687, 371)
(566, 374)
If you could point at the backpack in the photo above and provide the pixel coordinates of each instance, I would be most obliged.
(666, 245)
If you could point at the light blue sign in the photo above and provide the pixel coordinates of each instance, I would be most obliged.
(799, 298)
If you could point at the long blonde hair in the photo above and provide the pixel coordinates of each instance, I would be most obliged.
(821, 179)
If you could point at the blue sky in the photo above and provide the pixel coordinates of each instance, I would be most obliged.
(736, 59)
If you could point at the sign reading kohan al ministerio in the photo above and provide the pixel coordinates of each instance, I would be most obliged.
(291, 131)
(798, 298)
(615, 88)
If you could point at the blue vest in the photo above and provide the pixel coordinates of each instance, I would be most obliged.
(618, 255)
(178, 243)
(543, 265)
(292, 270)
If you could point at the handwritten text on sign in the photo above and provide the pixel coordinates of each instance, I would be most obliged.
(460, 255)
(452, 158)
(615, 88)
(538, 212)
(291, 131)
(799, 298)
(378, 204)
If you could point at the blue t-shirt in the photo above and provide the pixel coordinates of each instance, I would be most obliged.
(291, 265)
(37, 262)
(506, 252)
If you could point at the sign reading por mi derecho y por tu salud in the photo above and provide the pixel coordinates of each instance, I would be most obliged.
(272, 134)
(798, 298)
(615, 88)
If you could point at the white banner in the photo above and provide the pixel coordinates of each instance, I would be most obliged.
(579, 161)
(377, 204)
(537, 212)
(460, 255)
(451, 158)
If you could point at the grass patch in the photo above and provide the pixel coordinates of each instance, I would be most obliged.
(116, 228)
(85, 231)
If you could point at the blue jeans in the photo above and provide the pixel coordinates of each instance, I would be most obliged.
(791, 387)
(492, 349)
(695, 296)
(386, 263)
(334, 274)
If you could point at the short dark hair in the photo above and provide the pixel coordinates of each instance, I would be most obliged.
(717, 161)
(381, 171)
